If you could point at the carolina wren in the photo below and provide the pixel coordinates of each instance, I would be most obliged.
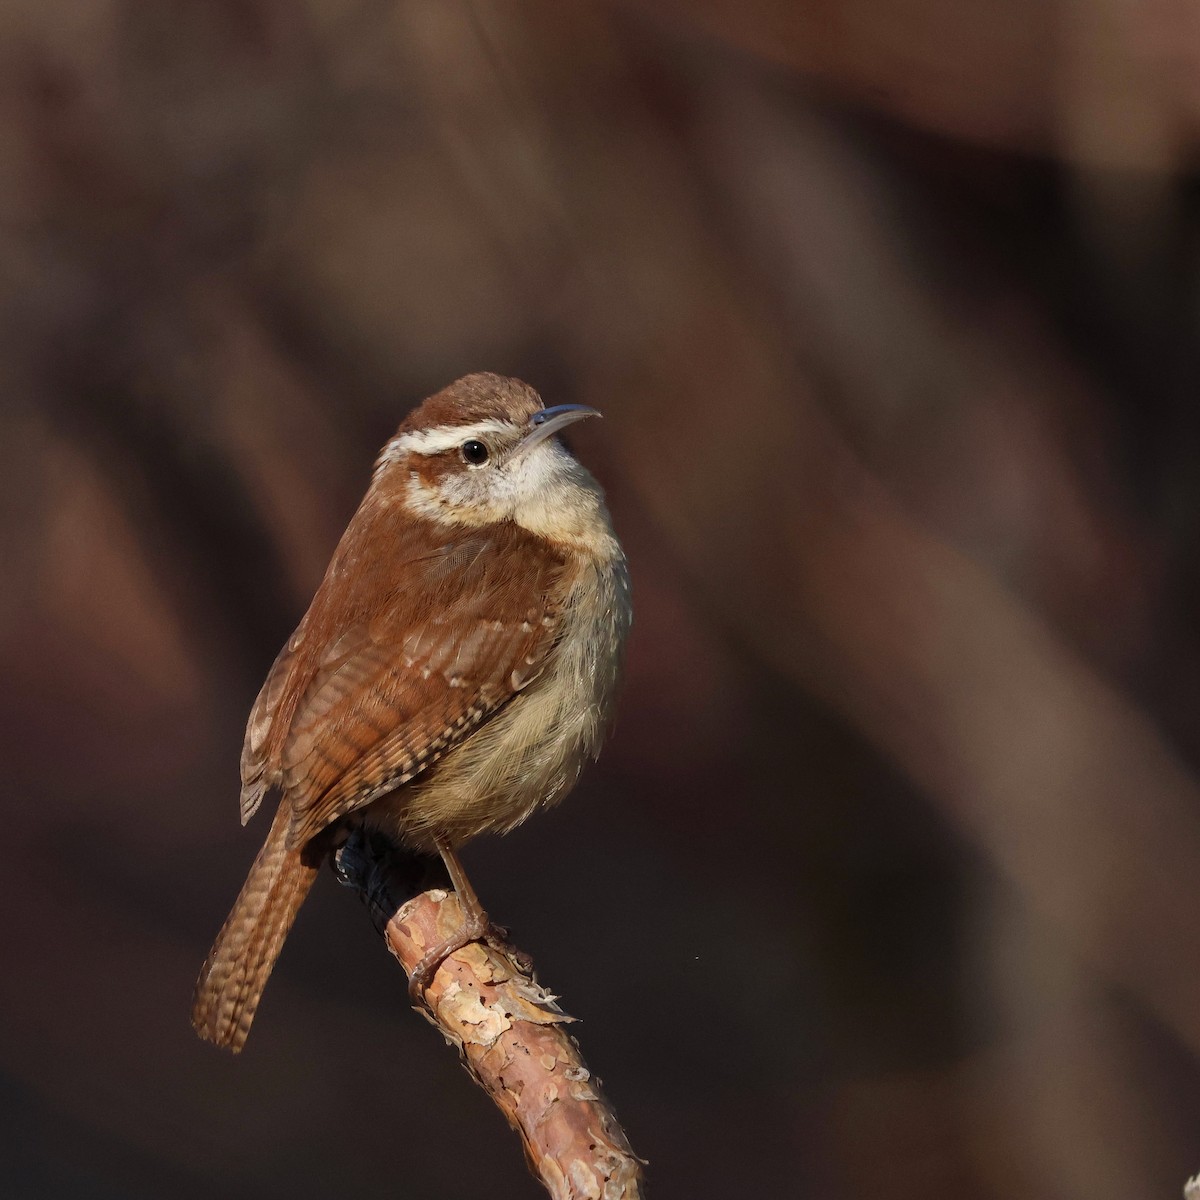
(453, 672)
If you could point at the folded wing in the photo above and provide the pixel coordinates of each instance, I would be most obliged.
(361, 701)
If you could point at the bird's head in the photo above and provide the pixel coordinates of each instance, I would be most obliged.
(483, 451)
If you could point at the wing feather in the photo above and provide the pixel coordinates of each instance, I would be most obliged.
(363, 699)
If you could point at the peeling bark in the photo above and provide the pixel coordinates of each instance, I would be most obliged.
(510, 1033)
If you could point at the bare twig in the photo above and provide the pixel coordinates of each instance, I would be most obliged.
(509, 1031)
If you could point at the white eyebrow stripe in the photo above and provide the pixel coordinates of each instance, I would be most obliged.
(440, 438)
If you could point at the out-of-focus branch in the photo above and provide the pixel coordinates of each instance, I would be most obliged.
(509, 1031)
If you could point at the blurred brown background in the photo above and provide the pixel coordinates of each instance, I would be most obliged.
(887, 882)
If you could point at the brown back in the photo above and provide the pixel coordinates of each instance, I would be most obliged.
(417, 634)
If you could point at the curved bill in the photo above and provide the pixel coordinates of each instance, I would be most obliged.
(549, 421)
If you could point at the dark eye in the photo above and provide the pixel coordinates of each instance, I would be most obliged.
(474, 452)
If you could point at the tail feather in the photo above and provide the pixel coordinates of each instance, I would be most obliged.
(238, 966)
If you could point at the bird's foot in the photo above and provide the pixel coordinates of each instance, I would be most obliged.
(497, 938)
(476, 928)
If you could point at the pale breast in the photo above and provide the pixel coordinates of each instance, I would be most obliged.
(529, 755)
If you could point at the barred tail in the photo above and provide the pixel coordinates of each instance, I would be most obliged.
(240, 962)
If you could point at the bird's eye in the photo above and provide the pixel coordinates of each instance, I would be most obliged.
(474, 453)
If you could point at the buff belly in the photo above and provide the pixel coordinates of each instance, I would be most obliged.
(528, 755)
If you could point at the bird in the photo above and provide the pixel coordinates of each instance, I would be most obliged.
(453, 673)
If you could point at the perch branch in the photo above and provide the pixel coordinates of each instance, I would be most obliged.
(510, 1033)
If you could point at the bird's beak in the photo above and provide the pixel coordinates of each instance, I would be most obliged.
(549, 421)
